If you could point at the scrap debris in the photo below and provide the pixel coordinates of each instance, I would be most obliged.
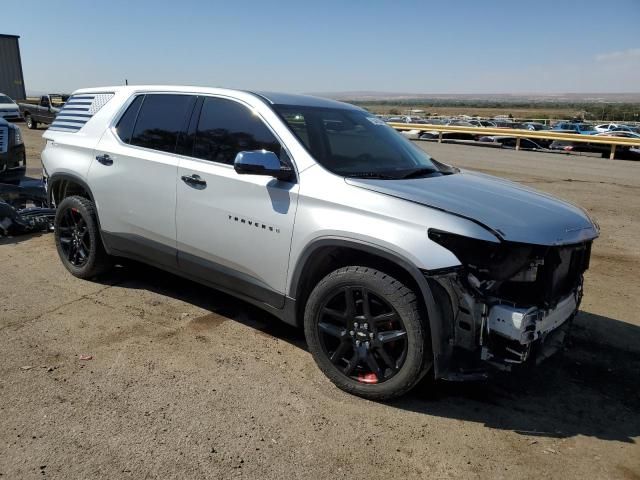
(24, 208)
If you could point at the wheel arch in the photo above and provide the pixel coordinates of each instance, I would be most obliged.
(327, 254)
(62, 185)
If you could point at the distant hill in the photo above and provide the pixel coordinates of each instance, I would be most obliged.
(369, 96)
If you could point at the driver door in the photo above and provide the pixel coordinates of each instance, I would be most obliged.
(234, 231)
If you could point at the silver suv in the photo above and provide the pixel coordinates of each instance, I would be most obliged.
(395, 264)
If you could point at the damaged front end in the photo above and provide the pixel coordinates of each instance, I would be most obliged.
(507, 304)
(24, 208)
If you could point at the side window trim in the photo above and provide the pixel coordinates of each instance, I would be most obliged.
(187, 142)
(194, 119)
(123, 111)
(119, 117)
(185, 125)
(125, 107)
(288, 160)
(135, 122)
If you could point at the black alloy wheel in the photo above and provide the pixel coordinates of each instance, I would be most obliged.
(362, 334)
(368, 333)
(78, 240)
(75, 240)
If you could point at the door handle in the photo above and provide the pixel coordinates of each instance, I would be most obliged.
(194, 180)
(104, 159)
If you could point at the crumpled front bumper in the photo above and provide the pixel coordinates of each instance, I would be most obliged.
(515, 335)
(483, 334)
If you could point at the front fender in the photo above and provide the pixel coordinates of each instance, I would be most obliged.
(439, 338)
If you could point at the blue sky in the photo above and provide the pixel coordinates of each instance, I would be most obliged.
(329, 46)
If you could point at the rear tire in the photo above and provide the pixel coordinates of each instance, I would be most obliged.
(367, 333)
(31, 123)
(78, 238)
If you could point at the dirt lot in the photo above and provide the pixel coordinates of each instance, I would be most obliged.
(186, 382)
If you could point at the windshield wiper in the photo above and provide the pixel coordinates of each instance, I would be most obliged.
(419, 172)
(370, 175)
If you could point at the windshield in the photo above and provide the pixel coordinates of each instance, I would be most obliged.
(354, 143)
(5, 99)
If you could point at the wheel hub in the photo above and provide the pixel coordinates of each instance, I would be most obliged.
(361, 334)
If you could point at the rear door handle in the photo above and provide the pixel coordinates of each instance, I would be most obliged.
(104, 159)
(194, 180)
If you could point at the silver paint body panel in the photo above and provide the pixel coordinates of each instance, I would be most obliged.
(517, 213)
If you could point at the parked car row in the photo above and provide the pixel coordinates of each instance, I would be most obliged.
(33, 111)
(43, 111)
(568, 126)
(8, 109)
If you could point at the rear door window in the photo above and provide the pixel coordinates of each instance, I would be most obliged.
(226, 128)
(161, 119)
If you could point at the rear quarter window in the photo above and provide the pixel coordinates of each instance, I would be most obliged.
(127, 122)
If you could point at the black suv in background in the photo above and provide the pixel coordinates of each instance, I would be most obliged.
(13, 160)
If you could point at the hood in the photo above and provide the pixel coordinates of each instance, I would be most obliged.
(511, 211)
(8, 106)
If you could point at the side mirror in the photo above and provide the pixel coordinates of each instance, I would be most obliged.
(261, 162)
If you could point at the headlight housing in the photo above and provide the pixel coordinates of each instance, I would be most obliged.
(487, 260)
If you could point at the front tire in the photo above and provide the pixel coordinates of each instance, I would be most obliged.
(366, 331)
(78, 238)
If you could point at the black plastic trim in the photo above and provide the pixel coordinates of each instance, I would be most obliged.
(202, 271)
(66, 176)
(140, 248)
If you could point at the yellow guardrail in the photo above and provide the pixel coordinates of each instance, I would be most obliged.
(518, 134)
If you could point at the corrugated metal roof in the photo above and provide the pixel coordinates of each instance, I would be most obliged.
(11, 77)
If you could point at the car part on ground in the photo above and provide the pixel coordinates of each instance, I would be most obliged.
(24, 209)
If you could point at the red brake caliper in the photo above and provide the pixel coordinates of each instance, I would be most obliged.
(368, 378)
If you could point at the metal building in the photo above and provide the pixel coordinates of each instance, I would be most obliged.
(11, 77)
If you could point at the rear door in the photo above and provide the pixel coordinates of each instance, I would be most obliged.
(134, 177)
(233, 230)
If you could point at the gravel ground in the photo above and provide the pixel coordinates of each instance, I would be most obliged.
(185, 382)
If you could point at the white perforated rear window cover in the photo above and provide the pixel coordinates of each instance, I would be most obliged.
(78, 110)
